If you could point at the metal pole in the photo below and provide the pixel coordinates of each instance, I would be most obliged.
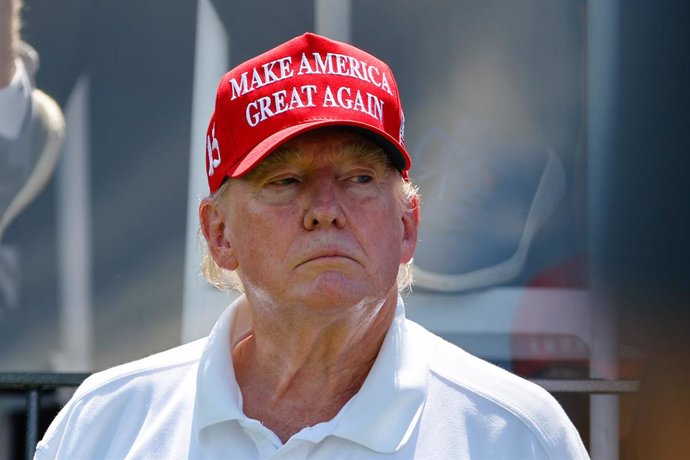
(32, 410)
(602, 100)
(74, 236)
(333, 19)
(202, 303)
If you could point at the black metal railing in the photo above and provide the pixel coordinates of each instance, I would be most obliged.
(33, 383)
(589, 386)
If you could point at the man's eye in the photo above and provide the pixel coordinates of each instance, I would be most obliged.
(362, 178)
(285, 181)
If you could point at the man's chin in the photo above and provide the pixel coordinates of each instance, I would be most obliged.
(337, 291)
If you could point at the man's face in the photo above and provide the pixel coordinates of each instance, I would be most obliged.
(319, 223)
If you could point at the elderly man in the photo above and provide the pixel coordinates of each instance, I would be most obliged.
(311, 212)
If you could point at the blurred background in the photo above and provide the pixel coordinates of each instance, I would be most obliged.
(550, 145)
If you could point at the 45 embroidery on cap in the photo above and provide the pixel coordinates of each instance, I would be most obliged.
(212, 146)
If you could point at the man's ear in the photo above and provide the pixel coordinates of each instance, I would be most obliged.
(410, 220)
(213, 226)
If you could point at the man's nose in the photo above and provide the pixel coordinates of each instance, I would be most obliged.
(323, 206)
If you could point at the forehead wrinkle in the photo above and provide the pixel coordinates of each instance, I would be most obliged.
(284, 154)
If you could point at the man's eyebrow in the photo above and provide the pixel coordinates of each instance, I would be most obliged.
(280, 155)
(365, 152)
(374, 155)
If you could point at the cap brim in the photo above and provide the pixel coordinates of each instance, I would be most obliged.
(397, 153)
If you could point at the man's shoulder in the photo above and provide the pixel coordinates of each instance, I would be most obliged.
(471, 373)
(491, 389)
(139, 394)
(151, 369)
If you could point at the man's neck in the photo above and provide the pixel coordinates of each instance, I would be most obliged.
(295, 374)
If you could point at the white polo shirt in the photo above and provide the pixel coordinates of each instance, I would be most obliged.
(424, 398)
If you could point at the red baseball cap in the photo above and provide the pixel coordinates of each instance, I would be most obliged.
(303, 84)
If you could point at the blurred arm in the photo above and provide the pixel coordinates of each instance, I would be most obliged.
(9, 31)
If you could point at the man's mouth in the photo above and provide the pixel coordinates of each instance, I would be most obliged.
(326, 254)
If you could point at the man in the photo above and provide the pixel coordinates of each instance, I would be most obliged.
(313, 214)
(31, 134)
(31, 123)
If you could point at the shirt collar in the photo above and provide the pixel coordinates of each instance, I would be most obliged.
(381, 416)
(218, 396)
